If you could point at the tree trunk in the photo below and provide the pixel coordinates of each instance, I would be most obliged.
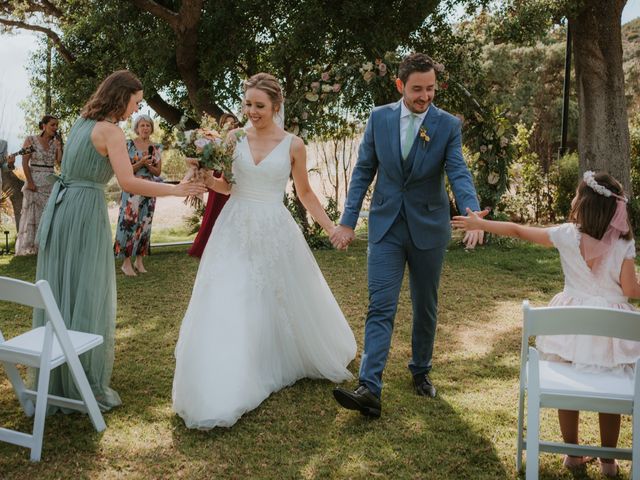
(603, 131)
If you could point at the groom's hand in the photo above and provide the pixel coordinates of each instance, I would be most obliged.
(475, 237)
(342, 236)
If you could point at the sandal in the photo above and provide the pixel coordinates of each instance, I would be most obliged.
(575, 462)
(609, 469)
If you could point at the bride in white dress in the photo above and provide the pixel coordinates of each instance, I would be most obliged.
(261, 314)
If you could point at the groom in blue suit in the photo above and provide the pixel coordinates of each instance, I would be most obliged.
(410, 145)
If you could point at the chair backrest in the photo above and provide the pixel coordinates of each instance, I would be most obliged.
(605, 322)
(38, 295)
(570, 320)
(19, 291)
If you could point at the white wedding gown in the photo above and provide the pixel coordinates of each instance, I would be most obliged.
(261, 314)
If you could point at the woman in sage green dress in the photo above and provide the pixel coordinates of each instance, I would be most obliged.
(74, 235)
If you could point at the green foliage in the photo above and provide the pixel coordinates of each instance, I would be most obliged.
(312, 231)
(567, 175)
(488, 137)
(530, 196)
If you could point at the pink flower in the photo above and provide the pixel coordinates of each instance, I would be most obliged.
(336, 87)
(382, 69)
(325, 76)
(315, 86)
(438, 67)
(305, 115)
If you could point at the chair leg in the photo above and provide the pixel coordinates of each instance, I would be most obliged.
(40, 413)
(519, 442)
(533, 416)
(92, 405)
(19, 388)
(80, 379)
(635, 442)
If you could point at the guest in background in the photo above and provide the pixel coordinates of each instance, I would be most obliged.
(10, 184)
(133, 232)
(215, 201)
(38, 168)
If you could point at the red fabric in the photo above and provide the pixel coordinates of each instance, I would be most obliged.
(215, 202)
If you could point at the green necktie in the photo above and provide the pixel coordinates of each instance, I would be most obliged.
(409, 136)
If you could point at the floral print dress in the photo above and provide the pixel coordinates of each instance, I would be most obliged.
(133, 232)
(41, 163)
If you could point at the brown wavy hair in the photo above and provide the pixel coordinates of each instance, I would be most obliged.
(112, 96)
(593, 212)
(416, 62)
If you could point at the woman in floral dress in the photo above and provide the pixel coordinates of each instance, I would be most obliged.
(133, 233)
(38, 167)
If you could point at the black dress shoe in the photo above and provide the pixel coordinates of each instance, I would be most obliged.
(361, 399)
(423, 385)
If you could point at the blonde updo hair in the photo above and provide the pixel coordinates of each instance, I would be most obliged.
(269, 85)
(143, 118)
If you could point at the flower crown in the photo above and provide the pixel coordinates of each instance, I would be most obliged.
(590, 180)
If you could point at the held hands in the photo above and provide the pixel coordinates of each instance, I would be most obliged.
(342, 236)
(472, 224)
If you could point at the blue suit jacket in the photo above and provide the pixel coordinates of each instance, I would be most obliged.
(426, 204)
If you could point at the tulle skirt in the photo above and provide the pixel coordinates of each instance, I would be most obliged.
(261, 316)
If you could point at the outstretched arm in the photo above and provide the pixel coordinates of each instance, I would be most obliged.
(473, 221)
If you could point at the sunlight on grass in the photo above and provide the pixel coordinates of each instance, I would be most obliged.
(467, 432)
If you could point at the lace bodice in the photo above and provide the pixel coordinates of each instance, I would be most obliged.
(266, 181)
(580, 281)
(42, 156)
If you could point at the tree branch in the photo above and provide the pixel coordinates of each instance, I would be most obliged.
(167, 111)
(64, 52)
(154, 8)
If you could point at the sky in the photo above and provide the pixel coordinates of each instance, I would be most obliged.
(15, 51)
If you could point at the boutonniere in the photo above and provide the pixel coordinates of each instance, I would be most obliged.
(423, 135)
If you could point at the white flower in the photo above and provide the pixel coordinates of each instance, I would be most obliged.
(311, 96)
(493, 178)
(367, 66)
(201, 142)
(327, 88)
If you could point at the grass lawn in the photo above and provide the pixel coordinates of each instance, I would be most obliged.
(467, 432)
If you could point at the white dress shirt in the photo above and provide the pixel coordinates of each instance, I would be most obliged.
(404, 120)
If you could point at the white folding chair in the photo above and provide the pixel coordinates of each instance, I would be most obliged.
(45, 348)
(562, 386)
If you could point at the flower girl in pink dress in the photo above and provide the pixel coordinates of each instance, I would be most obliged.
(597, 254)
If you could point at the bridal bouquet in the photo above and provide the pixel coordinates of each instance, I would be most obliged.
(207, 145)
(207, 148)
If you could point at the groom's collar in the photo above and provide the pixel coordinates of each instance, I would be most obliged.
(405, 112)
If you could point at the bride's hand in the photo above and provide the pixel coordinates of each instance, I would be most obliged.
(219, 184)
